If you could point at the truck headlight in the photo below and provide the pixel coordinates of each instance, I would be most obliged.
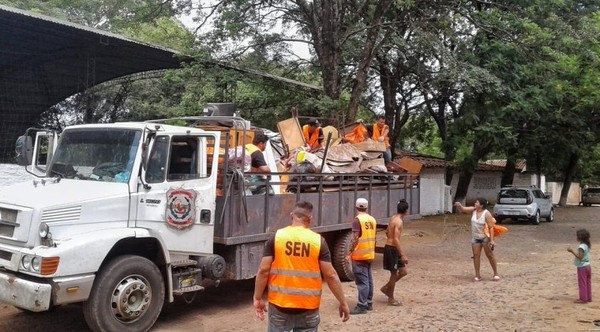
(38, 264)
(35, 263)
(44, 230)
(26, 262)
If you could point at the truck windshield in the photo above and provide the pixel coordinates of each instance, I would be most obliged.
(99, 154)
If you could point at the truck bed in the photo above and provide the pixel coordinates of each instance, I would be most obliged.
(242, 218)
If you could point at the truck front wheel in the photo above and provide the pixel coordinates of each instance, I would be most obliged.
(128, 295)
(339, 257)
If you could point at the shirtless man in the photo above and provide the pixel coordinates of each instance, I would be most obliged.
(393, 258)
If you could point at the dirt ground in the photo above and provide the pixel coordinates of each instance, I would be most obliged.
(536, 293)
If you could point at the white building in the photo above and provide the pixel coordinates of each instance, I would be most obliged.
(437, 198)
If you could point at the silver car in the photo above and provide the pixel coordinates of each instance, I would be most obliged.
(528, 203)
(590, 196)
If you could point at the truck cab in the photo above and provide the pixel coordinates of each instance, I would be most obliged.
(112, 197)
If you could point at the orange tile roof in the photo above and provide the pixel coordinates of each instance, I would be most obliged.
(520, 165)
(434, 162)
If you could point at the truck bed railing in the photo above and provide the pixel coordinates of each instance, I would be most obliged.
(249, 208)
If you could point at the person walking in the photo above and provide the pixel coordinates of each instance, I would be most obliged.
(362, 254)
(295, 262)
(480, 219)
(584, 269)
(394, 260)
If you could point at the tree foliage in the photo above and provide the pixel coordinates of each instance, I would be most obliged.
(462, 79)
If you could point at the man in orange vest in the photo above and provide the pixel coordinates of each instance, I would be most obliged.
(362, 254)
(313, 134)
(381, 133)
(295, 262)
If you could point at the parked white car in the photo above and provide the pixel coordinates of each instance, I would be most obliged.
(523, 203)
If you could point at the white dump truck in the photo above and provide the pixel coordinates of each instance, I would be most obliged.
(126, 216)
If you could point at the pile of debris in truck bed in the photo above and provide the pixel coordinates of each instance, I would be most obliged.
(344, 154)
(347, 150)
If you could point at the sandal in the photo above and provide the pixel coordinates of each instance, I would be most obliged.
(476, 279)
(394, 303)
(580, 301)
(496, 278)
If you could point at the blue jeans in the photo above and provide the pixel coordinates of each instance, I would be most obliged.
(387, 155)
(303, 321)
(363, 276)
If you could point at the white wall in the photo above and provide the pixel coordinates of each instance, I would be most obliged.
(529, 179)
(574, 198)
(432, 191)
(486, 184)
(483, 184)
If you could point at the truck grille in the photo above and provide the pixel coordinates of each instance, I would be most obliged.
(5, 255)
(71, 213)
(8, 221)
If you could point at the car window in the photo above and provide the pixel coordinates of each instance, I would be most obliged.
(538, 194)
(593, 190)
(513, 193)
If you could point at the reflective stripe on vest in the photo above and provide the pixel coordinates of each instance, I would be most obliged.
(295, 279)
(312, 140)
(365, 249)
(377, 134)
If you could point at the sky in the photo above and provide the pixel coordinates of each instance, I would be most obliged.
(301, 50)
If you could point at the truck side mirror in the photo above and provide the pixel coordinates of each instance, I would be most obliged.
(24, 150)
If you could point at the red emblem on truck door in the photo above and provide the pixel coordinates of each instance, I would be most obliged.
(181, 207)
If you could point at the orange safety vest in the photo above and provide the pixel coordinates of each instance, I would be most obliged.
(377, 134)
(358, 134)
(365, 249)
(312, 140)
(295, 278)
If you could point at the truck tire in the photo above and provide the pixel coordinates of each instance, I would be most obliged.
(341, 250)
(127, 295)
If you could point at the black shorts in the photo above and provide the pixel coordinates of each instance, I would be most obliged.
(391, 259)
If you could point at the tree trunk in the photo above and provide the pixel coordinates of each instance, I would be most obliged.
(462, 188)
(468, 167)
(508, 174)
(569, 171)
(449, 175)
(367, 57)
(324, 23)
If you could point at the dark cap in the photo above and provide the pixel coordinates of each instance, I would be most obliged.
(313, 122)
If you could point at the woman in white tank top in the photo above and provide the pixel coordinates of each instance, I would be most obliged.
(480, 219)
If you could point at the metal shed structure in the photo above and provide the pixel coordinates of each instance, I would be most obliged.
(44, 60)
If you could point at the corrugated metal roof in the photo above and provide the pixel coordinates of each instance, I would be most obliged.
(44, 60)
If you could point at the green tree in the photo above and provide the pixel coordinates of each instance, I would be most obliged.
(343, 36)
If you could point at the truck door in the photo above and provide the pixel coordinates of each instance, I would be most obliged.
(40, 151)
(178, 202)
